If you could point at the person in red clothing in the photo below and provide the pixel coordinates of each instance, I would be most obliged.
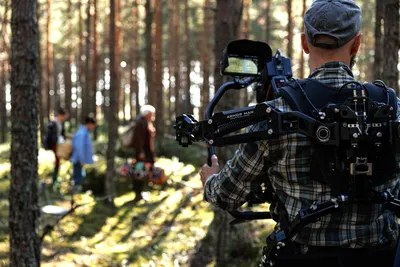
(143, 142)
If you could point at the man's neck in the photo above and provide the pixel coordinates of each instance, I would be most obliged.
(316, 62)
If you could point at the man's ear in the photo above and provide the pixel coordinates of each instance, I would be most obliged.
(304, 43)
(356, 45)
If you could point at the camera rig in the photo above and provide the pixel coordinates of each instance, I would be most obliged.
(358, 122)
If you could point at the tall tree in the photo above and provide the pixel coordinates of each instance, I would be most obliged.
(391, 44)
(86, 89)
(301, 69)
(134, 60)
(225, 235)
(171, 45)
(68, 61)
(115, 83)
(119, 38)
(205, 59)
(379, 13)
(149, 53)
(81, 63)
(3, 75)
(49, 62)
(176, 48)
(23, 196)
(158, 69)
(188, 103)
(290, 29)
(245, 30)
(95, 67)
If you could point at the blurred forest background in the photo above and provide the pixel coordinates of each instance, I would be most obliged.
(107, 58)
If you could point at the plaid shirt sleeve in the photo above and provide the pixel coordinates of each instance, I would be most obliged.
(229, 188)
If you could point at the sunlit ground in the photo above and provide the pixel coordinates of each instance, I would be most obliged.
(161, 230)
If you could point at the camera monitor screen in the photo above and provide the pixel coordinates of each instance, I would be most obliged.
(242, 66)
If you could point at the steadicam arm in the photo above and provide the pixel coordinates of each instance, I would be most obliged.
(215, 131)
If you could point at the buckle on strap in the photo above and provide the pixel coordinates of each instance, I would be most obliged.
(361, 167)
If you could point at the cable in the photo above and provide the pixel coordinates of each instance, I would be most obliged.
(305, 96)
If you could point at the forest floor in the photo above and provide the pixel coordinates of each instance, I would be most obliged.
(163, 229)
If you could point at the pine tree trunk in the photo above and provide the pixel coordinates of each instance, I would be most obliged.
(391, 44)
(81, 66)
(229, 239)
(158, 69)
(171, 45)
(95, 68)
(133, 81)
(177, 69)
(379, 13)
(138, 58)
(119, 38)
(188, 109)
(23, 196)
(205, 64)
(149, 53)
(86, 101)
(49, 62)
(290, 29)
(245, 34)
(68, 62)
(301, 69)
(113, 118)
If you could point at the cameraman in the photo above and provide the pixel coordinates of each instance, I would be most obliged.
(360, 235)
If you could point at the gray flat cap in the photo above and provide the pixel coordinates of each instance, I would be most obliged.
(340, 19)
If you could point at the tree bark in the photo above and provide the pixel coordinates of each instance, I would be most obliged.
(205, 64)
(23, 196)
(391, 44)
(177, 69)
(245, 34)
(49, 63)
(135, 55)
(68, 62)
(171, 45)
(81, 67)
(379, 13)
(290, 29)
(301, 69)
(119, 39)
(227, 236)
(158, 69)
(149, 53)
(86, 101)
(95, 68)
(113, 118)
(188, 109)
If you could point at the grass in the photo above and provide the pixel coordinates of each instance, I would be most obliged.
(162, 230)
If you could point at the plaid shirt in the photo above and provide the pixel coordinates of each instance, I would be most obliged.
(287, 161)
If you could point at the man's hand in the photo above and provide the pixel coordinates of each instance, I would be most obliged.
(206, 171)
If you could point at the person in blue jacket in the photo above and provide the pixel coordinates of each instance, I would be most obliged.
(82, 150)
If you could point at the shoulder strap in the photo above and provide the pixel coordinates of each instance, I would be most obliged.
(293, 96)
(382, 94)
